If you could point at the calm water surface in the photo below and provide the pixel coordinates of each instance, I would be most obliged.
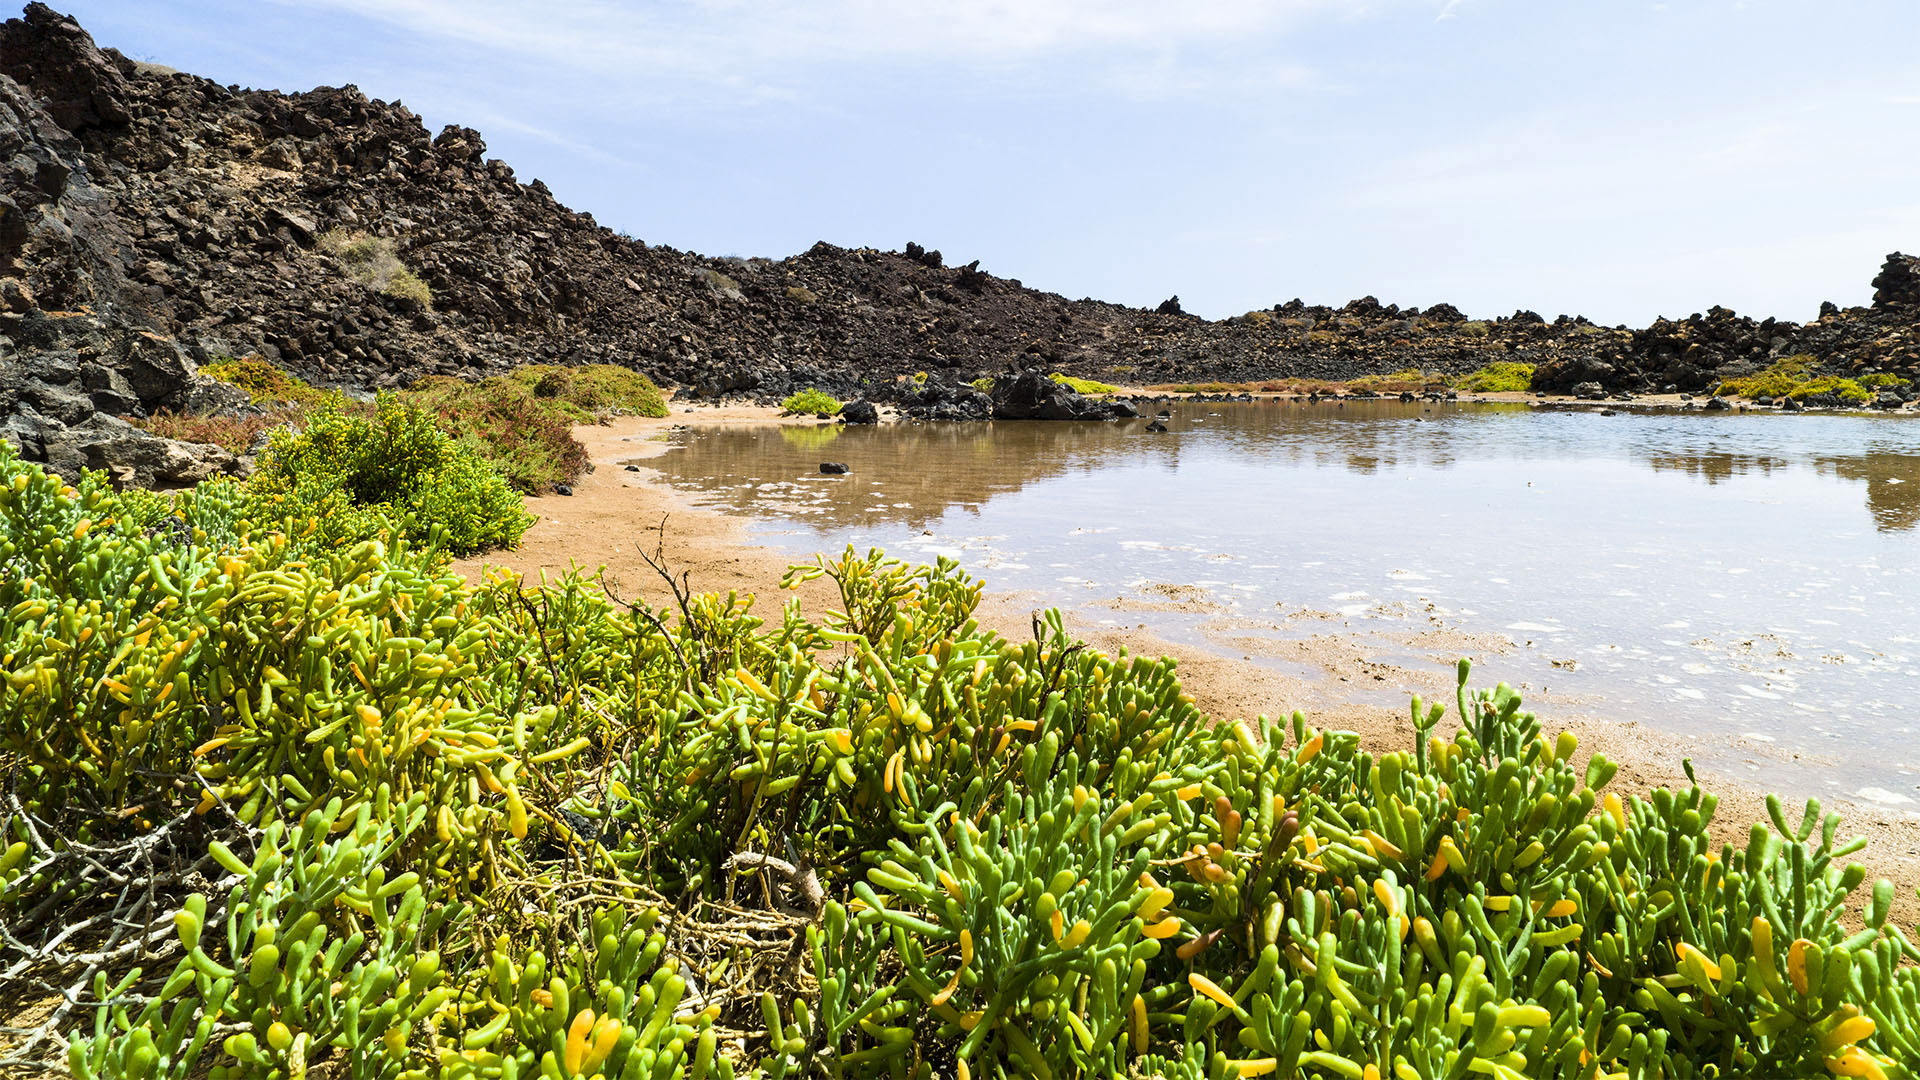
(1750, 578)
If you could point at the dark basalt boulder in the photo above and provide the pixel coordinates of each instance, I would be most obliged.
(860, 412)
(1032, 395)
(940, 400)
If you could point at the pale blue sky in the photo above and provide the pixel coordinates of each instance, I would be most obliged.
(1617, 159)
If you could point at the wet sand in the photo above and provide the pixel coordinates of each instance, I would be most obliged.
(1338, 679)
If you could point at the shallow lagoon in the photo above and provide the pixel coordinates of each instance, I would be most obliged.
(1750, 578)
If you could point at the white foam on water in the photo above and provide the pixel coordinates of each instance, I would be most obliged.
(1351, 595)
(1677, 624)
(1537, 628)
(1691, 694)
(1697, 669)
(1738, 570)
(1756, 736)
(1882, 796)
(1754, 691)
(1351, 609)
(1406, 575)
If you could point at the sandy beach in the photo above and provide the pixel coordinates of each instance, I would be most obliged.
(616, 514)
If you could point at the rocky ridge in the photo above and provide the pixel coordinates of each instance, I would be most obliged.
(151, 220)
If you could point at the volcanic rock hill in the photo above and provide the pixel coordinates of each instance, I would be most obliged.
(151, 220)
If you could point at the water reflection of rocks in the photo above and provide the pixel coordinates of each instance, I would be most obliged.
(1893, 485)
(911, 473)
(1892, 479)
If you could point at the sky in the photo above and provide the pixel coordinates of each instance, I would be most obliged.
(1613, 158)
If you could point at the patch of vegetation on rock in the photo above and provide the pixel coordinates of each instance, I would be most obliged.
(1499, 377)
(1793, 377)
(1083, 386)
(265, 383)
(1402, 381)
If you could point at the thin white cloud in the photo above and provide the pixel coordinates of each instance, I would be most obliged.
(1450, 10)
(728, 44)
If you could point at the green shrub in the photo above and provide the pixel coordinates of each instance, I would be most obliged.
(984, 384)
(1473, 328)
(348, 477)
(1083, 386)
(811, 401)
(1882, 380)
(1499, 377)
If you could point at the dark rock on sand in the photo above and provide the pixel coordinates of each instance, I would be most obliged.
(860, 412)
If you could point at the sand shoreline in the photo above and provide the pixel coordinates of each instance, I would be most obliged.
(617, 513)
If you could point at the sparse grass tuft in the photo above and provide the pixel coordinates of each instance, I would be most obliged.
(234, 433)
(372, 261)
(1777, 379)
(984, 384)
(1083, 386)
(1402, 381)
(1478, 328)
(811, 400)
(802, 294)
(1499, 377)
